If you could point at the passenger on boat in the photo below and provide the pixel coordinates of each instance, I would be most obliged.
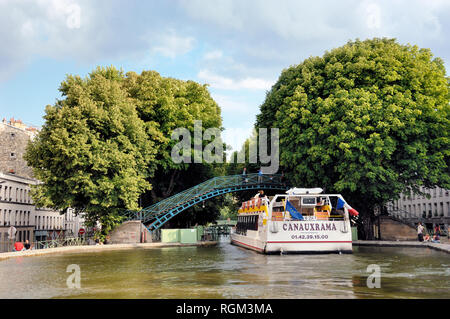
(322, 210)
(264, 198)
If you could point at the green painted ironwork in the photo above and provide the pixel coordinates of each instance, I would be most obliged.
(158, 214)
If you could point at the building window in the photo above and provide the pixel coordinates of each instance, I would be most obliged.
(12, 155)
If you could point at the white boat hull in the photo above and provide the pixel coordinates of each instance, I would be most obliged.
(298, 237)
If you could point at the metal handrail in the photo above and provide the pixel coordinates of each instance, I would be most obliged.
(210, 188)
(51, 243)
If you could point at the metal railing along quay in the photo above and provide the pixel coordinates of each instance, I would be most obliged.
(8, 246)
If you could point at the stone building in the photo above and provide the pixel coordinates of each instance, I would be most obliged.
(14, 137)
(432, 211)
(17, 211)
(437, 206)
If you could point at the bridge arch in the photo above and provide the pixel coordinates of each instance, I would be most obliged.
(155, 216)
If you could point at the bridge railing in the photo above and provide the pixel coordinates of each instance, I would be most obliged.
(203, 188)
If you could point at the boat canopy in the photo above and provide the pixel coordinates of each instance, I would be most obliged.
(301, 191)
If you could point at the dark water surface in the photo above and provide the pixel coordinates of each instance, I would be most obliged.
(228, 271)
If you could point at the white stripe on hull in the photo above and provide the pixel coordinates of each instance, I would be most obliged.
(309, 247)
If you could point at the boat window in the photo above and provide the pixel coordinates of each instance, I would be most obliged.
(244, 223)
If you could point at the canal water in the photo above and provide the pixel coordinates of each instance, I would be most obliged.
(227, 271)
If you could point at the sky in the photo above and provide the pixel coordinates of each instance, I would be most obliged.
(237, 47)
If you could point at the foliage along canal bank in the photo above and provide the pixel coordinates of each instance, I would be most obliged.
(369, 120)
(105, 146)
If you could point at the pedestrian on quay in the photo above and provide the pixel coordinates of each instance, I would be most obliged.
(436, 239)
(420, 231)
(18, 246)
(437, 230)
(27, 245)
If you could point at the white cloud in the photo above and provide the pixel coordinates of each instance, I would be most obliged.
(213, 55)
(231, 105)
(73, 20)
(373, 16)
(221, 82)
(238, 118)
(252, 40)
(27, 29)
(171, 45)
(37, 28)
(236, 136)
(65, 11)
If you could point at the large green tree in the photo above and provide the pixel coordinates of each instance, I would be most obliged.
(106, 146)
(93, 153)
(165, 104)
(369, 120)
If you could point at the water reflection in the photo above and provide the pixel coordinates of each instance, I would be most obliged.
(228, 271)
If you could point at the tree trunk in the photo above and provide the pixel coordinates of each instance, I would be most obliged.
(365, 227)
(169, 189)
(154, 196)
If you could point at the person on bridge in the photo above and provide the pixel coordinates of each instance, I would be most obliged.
(260, 175)
(244, 176)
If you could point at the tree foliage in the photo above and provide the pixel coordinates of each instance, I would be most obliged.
(165, 104)
(92, 153)
(108, 141)
(369, 119)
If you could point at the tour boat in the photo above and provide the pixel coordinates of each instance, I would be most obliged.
(301, 221)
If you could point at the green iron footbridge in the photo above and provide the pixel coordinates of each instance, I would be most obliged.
(160, 213)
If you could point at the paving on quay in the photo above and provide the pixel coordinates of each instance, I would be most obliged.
(92, 248)
(445, 247)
